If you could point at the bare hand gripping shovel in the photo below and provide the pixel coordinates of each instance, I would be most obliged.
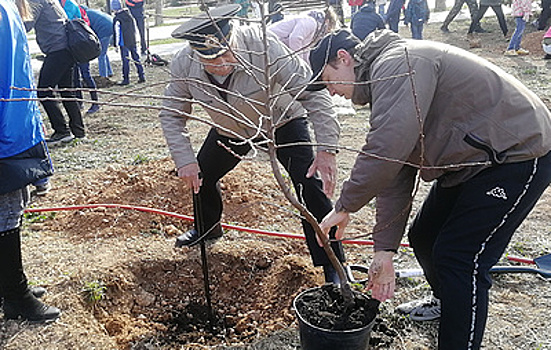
(543, 264)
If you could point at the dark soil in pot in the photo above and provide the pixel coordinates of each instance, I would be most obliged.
(325, 308)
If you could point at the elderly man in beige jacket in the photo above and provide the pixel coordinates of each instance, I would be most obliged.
(223, 69)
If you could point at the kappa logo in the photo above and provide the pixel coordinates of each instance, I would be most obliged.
(497, 192)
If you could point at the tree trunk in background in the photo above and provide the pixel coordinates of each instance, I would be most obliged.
(158, 12)
(440, 5)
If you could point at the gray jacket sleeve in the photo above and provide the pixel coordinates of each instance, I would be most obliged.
(176, 109)
(393, 208)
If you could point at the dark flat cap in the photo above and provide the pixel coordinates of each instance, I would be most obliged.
(327, 50)
(209, 33)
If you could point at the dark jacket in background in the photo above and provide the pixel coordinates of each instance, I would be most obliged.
(126, 34)
(366, 20)
(48, 20)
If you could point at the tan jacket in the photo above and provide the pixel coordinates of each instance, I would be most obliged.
(248, 99)
(473, 114)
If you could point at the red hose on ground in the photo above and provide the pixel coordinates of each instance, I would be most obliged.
(226, 226)
(189, 218)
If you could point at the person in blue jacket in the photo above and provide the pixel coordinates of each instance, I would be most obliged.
(366, 20)
(124, 30)
(136, 10)
(24, 159)
(102, 25)
(416, 15)
(73, 11)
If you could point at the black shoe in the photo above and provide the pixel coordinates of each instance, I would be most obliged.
(444, 29)
(41, 190)
(191, 237)
(547, 57)
(480, 30)
(57, 138)
(38, 292)
(141, 80)
(124, 82)
(29, 308)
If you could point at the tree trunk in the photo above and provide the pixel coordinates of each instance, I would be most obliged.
(440, 5)
(158, 12)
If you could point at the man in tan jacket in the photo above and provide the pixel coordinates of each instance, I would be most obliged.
(223, 69)
(460, 121)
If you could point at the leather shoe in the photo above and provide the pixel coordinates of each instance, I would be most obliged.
(38, 292)
(31, 309)
(480, 30)
(192, 237)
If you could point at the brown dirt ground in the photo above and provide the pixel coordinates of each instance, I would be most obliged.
(154, 293)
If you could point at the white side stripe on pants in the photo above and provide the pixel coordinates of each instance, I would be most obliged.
(483, 247)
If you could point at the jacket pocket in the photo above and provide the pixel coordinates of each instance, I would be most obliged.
(495, 157)
(25, 168)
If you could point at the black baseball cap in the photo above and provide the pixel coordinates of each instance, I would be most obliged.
(209, 33)
(326, 51)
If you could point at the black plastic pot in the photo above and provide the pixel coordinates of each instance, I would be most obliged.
(316, 338)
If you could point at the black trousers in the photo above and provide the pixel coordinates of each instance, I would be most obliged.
(215, 162)
(499, 14)
(462, 231)
(13, 282)
(473, 10)
(545, 14)
(57, 71)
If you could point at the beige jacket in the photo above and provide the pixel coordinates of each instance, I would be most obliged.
(473, 114)
(248, 101)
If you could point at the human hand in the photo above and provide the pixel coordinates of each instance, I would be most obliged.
(326, 164)
(190, 174)
(382, 278)
(339, 219)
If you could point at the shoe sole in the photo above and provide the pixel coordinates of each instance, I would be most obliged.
(92, 111)
(204, 238)
(57, 142)
(41, 193)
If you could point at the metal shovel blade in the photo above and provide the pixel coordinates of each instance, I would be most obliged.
(543, 262)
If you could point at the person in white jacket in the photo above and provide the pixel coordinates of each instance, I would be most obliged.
(301, 32)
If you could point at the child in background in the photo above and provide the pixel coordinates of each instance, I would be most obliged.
(522, 9)
(416, 15)
(124, 29)
(546, 44)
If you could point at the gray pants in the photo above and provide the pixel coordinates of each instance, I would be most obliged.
(12, 206)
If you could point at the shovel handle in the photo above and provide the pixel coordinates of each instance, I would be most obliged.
(520, 259)
(520, 269)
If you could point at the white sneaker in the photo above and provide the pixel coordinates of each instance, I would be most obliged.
(523, 52)
(426, 309)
